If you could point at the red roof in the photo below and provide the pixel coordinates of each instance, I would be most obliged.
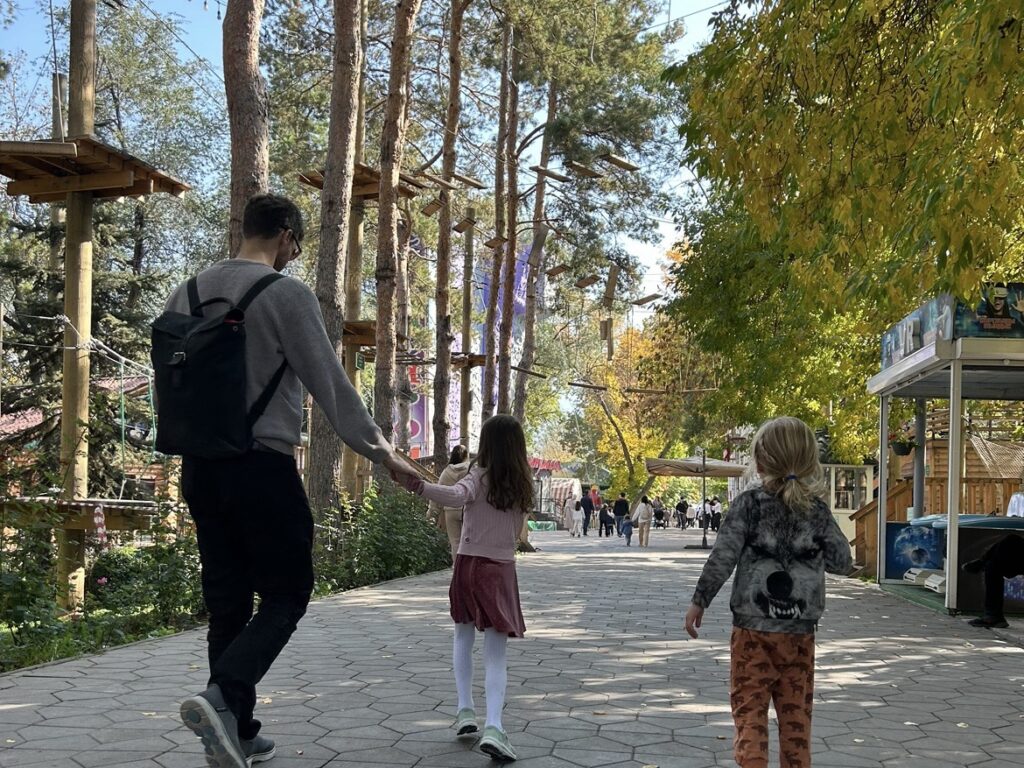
(545, 464)
(12, 424)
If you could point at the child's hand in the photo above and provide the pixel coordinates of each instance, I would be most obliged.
(409, 482)
(693, 619)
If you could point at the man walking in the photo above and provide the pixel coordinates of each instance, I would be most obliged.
(253, 521)
(588, 511)
(621, 511)
(681, 507)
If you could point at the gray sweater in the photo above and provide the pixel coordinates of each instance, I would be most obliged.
(780, 557)
(284, 323)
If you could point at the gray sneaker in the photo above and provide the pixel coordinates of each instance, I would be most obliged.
(496, 744)
(465, 723)
(210, 719)
(258, 750)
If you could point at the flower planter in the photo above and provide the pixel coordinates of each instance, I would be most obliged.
(901, 448)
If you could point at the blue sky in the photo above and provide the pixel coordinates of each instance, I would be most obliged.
(30, 33)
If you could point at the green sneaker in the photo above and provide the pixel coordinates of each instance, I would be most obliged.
(465, 723)
(495, 743)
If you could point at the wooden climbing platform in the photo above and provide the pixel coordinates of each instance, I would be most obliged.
(366, 184)
(46, 171)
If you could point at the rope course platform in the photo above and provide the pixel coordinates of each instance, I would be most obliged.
(46, 171)
(366, 183)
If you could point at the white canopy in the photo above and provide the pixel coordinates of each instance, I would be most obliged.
(694, 466)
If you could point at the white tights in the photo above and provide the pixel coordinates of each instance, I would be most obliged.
(495, 670)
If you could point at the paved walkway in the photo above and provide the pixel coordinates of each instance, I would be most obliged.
(604, 678)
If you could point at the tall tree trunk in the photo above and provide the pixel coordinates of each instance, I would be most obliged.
(442, 299)
(354, 265)
(630, 467)
(534, 283)
(512, 247)
(490, 362)
(402, 292)
(138, 256)
(391, 147)
(326, 448)
(248, 109)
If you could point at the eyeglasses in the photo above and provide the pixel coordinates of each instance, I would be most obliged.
(296, 245)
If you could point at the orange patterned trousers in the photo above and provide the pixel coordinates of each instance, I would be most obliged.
(778, 668)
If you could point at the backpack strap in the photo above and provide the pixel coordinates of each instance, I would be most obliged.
(268, 393)
(265, 396)
(257, 289)
(193, 297)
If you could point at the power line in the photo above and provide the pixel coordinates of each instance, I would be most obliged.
(205, 62)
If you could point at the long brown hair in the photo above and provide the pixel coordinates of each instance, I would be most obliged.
(503, 456)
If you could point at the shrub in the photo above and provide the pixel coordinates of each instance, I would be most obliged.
(388, 536)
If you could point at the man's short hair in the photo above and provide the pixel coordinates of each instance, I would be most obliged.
(266, 215)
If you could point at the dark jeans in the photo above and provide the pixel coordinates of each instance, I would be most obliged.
(255, 533)
(586, 522)
(618, 523)
(1003, 560)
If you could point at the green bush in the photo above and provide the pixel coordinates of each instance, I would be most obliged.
(388, 536)
(163, 578)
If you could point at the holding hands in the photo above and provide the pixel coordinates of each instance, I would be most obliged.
(403, 473)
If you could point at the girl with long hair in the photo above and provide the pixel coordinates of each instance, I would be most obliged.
(496, 495)
(781, 538)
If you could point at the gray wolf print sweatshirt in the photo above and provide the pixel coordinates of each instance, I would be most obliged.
(780, 557)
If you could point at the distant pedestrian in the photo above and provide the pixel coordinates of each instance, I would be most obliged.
(621, 512)
(577, 520)
(567, 510)
(588, 511)
(691, 516)
(642, 516)
(450, 518)
(484, 595)
(681, 507)
(780, 537)
(716, 514)
(605, 521)
(627, 529)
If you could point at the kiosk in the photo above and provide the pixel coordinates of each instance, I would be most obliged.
(945, 350)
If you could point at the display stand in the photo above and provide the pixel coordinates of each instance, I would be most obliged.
(958, 369)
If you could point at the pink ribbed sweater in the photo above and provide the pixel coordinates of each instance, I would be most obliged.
(486, 531)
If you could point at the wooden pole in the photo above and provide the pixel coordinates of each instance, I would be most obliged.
(466, 393)
(59, 105)
(74, 446)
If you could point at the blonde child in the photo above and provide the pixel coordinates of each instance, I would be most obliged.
(780, 537)
(497, 493)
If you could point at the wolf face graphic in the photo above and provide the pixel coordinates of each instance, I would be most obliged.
(784, 568)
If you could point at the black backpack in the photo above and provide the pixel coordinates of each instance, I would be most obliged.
(199, 372)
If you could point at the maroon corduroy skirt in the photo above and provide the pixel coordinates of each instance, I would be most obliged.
(485, 593)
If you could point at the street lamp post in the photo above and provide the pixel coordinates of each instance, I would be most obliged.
(704, 495)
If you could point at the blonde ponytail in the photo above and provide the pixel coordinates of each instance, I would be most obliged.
(785, 453)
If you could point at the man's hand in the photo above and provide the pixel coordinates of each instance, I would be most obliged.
(395, 465)
(694, 616)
